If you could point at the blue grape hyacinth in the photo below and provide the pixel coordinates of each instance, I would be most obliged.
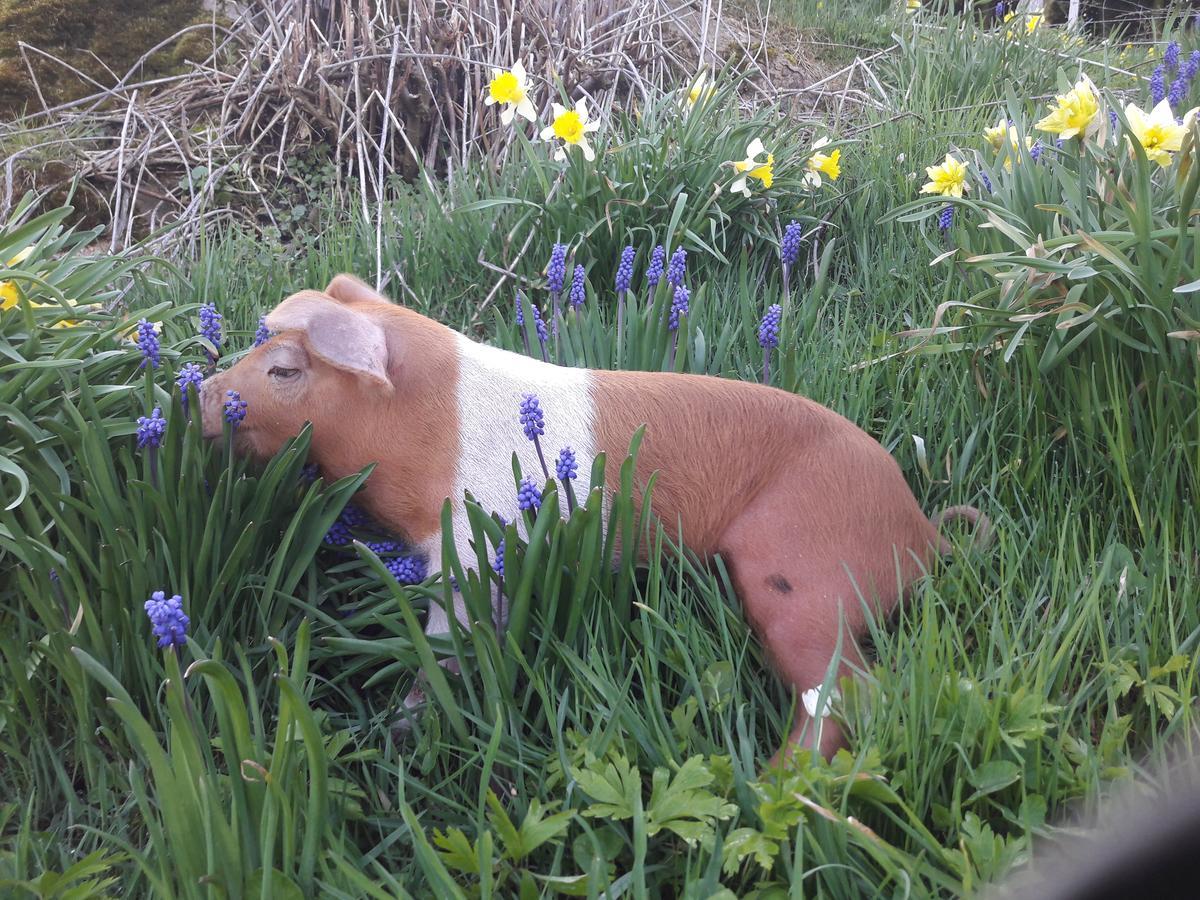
(189, 376)
(339, 533)
(985, 181)
(533, 419)
(1179, 91)
(498, 559)
(1171, 56)
(679, 307)
(946, 218)
(677, 268)
(578, 291)
(789, 247)
(566, 467)
(235, 408)
(167, 619)
(654, 271)
(151, 429)
(528, 495)
(768, 329)
(542, 334)
(625, 271)
(768, 337)
(1192, 67)
(556, 269)
(1158, 84)
(384, 548)
(408, 569)
(263, 333)
(147, 342)
(210, 325)
(533, 423)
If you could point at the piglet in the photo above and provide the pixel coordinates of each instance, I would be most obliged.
(808, 512)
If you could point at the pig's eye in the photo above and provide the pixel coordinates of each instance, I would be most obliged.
(283, 374)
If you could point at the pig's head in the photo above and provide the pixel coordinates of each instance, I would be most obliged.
(328, 356)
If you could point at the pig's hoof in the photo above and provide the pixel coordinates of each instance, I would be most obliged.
(402, 725)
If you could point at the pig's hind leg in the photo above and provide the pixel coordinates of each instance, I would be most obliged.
(802, 572)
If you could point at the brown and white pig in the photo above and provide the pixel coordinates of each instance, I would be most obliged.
(809, 513)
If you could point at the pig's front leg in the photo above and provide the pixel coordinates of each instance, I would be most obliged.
(437, 625)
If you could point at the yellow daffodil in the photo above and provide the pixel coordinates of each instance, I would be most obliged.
(995, 134)
(1073, 112)
(753, 167)
(913, 5)
(829, 164)
(571, 126)
(700, 90)
(1032, 23)
(511, 89)
(1157, 132)
(9, 295)
(949, 179)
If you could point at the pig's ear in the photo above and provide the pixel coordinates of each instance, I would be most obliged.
(348, 289)
(341, 336)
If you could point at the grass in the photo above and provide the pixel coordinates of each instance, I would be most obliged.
(612, 740)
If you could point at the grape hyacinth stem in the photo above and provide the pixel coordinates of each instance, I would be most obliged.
(620, 323)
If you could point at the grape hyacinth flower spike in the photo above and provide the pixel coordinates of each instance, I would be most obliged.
(263, 333)
(529, 498)
(498, 559)
(150, 433)
(623, 281)
(789, 251)
(521, 322)
(533, 423)
(566, 469)
(167, 619)
(679, 308)
(946, 218)
(768, 337)
(578, 289)
(210, 328)
(189, 376)
(542, 336)
(1179, 90)
(654, 271)
(556, 275)
(408, 569)
(339, 533)
(147, 342)
(1171, 56)
(235, 408)
(1158, 85)
(677, 268)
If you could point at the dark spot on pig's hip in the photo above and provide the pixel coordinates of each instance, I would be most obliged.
(779, 583)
